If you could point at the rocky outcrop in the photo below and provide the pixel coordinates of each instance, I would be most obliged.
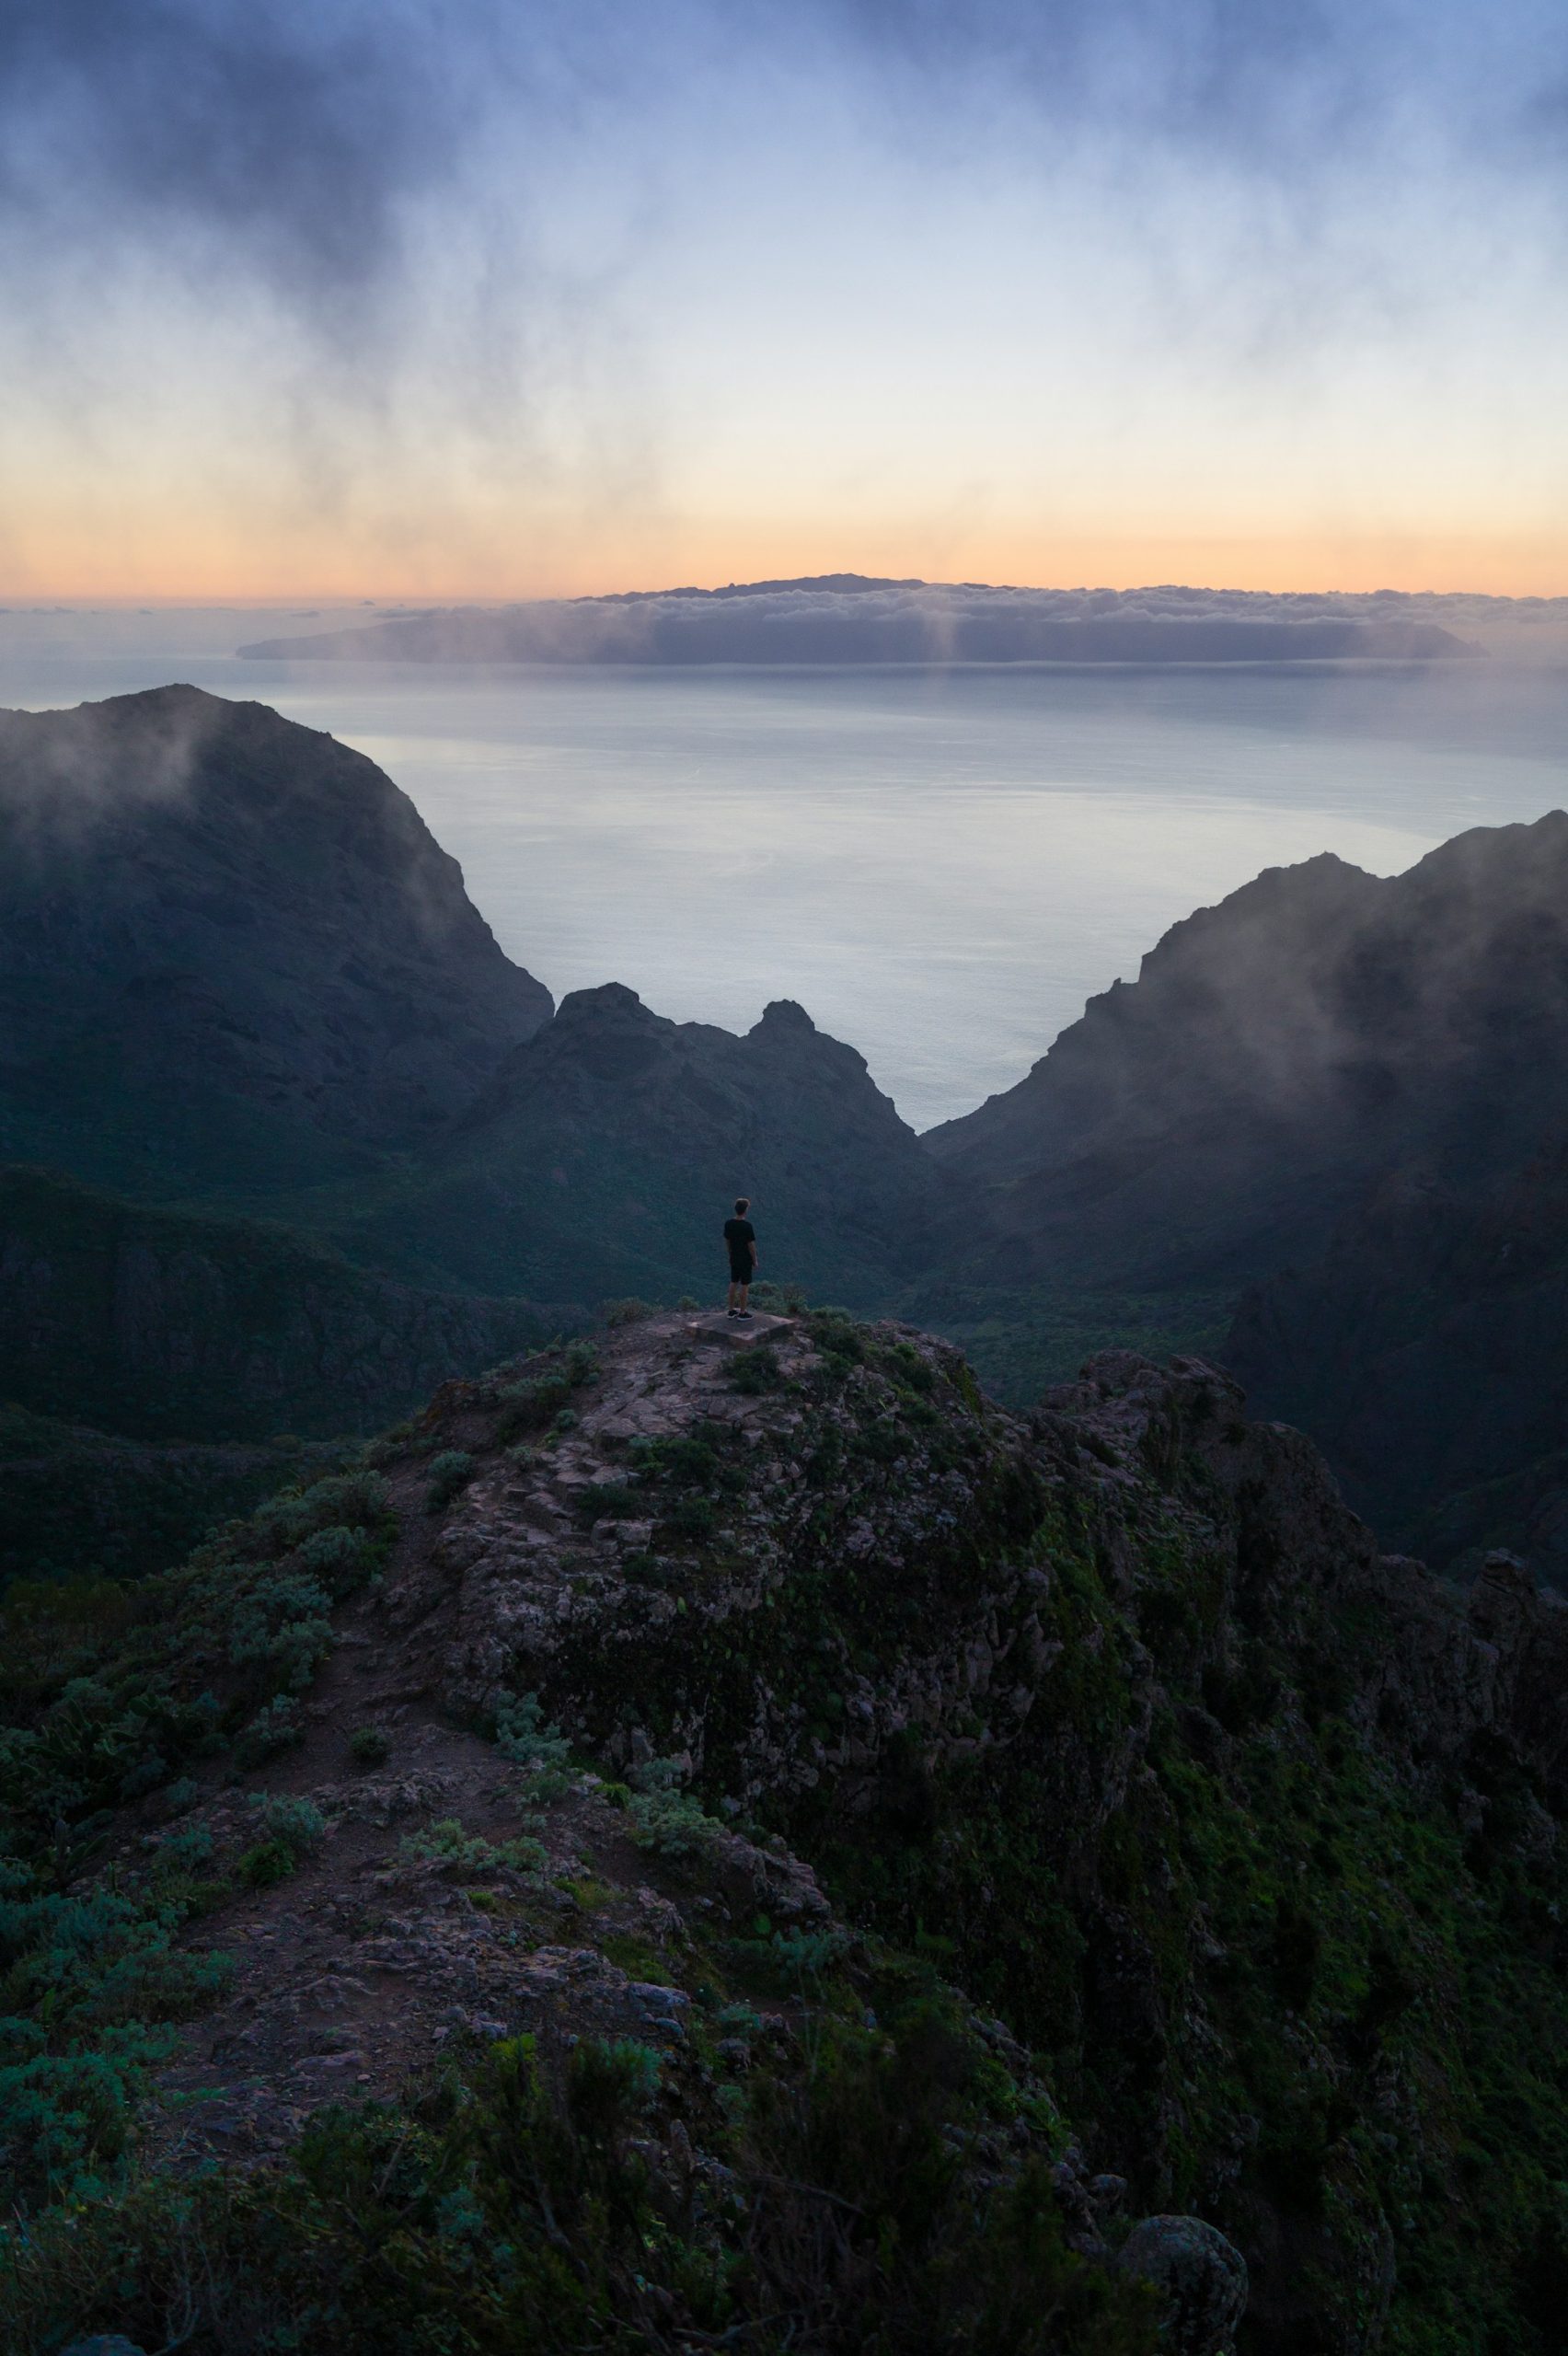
(961, 1660)
(1202, 2280)
(231, 954)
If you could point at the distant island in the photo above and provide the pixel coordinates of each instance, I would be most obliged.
(845, 617)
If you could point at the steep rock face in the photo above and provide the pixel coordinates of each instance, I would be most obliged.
(231, 954)
(164, 1327)
(1424, 1353)
(606, 1154)
(1281, 1051)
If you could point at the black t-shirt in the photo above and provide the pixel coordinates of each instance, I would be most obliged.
(740, 1235)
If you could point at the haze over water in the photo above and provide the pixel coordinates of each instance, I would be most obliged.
(939, 865)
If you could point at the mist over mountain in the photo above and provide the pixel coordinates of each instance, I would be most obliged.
(845, 618)
(1277, 1053)
(231, 952)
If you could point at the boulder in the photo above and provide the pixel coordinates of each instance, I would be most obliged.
(1200, 2277)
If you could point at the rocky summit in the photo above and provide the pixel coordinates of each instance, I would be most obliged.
(721, 1836)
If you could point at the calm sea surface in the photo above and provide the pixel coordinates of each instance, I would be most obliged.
(941, 866)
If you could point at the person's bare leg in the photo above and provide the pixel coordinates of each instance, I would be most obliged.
(744, 1291)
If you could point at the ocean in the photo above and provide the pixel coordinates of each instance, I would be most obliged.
(939, 865)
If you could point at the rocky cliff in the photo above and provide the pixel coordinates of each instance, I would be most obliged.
(730, 1838)
(231, 954)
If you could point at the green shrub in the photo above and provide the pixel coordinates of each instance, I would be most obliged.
(609, 1501)
(188, 1851)
(523, 1736)
(629, 1312)
(370, 1746)
(275, 1727)
(672, 1823)
(356, 1501)
(755, 1371)
(66, 2119)
(529, 1406)
(516, 2210)
(695, 1518)
(445, 1842)
(450, 1471)
(267, 1862)
(299, 1824)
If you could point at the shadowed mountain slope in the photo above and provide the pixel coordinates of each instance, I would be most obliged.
(232, 956)
(604, 1155)
(1425, 1354)
(80, 1504)
(164, 1326)
(1281, 1052)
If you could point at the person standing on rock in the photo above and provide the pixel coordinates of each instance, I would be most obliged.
(740, 1242)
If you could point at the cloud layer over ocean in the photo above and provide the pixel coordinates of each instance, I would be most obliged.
(849, 619)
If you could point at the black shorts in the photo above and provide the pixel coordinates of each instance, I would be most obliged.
(741, 1272)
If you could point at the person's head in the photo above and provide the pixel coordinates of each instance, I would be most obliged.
(742, 1205)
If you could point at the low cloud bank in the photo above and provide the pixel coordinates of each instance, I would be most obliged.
(845, 617)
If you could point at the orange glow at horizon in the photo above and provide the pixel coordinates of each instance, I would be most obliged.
(81, 568)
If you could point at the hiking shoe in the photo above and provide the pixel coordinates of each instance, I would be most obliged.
(743, 1314)
(731, 1312)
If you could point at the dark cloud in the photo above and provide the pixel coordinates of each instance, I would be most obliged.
(293, 135)
(284, 140)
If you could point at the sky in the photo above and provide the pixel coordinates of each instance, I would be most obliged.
(450, 299)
